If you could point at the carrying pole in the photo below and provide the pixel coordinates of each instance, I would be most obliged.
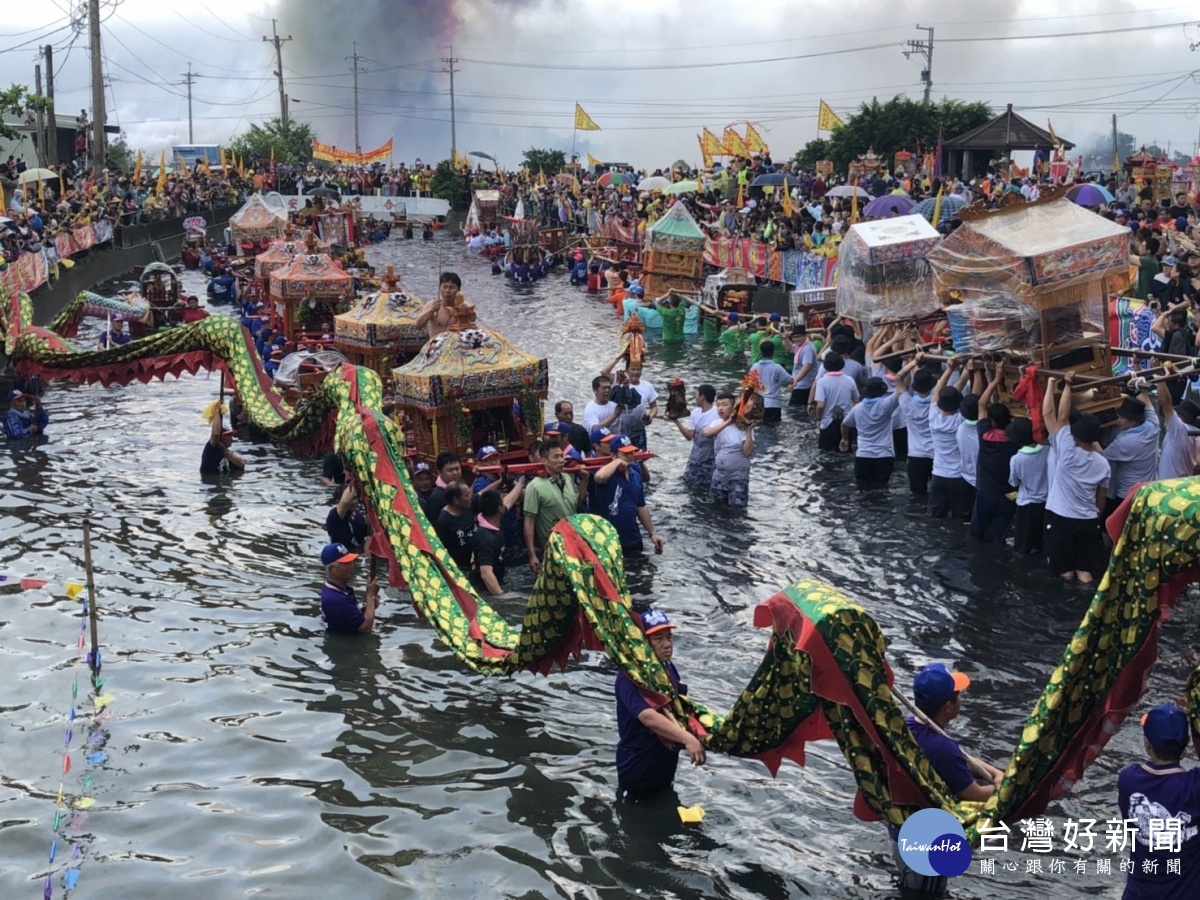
(91, 589)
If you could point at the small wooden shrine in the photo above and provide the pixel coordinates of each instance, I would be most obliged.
(1030, 282)
(868, 165)
(381, 331)
(256, 225)
(469, 387)
(307, 293)
(674, 254)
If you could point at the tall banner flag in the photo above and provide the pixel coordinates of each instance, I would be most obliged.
(593, 162)
(583, 122)
(713, 146)
(937, 161)
(705, 156)
(787, 198)
(137, 169)
(733, 143)
(827, 118)
(754, 140)
(1053, 136)
(221, 152)
(162, 173)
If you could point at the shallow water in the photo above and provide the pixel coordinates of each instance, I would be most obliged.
(250, 753)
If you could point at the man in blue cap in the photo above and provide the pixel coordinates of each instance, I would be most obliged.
(1164, 798)
(938, 694)
(20, 421)
(650, 738)
(339, 605)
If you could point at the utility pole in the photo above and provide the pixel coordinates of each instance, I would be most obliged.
(923, 49)
(450, 61)
(40, 120)
(278, 42)
(99, 153)
(51, 119)
(357, 146)
(190, 78)
(1116, 152)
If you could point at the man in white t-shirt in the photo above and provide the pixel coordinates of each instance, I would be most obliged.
(833, 398)
(601, 412)
(699, 470)
(633, 420)
(1180, 449)
(875, 453)
(772, 376)
(1078, 488)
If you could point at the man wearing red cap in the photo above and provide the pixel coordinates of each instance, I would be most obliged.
(650, 738)
(1164, 799)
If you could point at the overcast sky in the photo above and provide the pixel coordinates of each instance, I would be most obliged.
(651, 73)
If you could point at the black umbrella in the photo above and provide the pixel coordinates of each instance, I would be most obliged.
(327, 193)
(775, 179)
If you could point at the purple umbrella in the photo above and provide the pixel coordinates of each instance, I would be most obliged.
(889, 205)
(1089, 195)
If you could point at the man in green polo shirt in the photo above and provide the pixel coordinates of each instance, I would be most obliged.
(672, 309)
(548, 501)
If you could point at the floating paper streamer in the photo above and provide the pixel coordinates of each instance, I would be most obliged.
(47, 891)
(73, 590)
(71, 714)
(66, 764)
(70, 878)
(59, 800)
(94, 759)
(85, 803)
(57, 819)
(70, 734)
(32, 584)
(53, 849)
(690, 814)
(103, 700)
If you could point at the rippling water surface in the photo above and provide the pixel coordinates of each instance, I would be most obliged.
(249, 753)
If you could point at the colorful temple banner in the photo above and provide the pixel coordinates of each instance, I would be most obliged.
(827, 118)
(329, 153)
(32, 270)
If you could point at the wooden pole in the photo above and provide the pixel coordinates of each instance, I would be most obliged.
(973, 763)
(91, 589)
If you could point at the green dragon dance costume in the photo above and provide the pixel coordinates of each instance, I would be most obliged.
(825, 673)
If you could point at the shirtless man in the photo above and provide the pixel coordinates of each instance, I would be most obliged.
(438, 314)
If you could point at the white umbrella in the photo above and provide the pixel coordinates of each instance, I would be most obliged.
(654, 183)
(31, 176)
(846, 190)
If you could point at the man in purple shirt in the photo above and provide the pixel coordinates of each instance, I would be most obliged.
(938, 695)
(339, 605)
(1164, 799)
(650, 738)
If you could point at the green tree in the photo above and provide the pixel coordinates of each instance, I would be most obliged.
(17, 102)
(549, 161)
(806, 157)
(900, 124)
(447, 183)
(292, 142)
(121, 156)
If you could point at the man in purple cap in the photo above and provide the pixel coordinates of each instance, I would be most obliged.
(1164, 798)
(22, 422)
(339, 605)
(650, 738)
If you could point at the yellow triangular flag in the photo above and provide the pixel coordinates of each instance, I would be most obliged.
(137, 169)
(592, 161)
(754, 140)
(542, 177)
(827, 118)
(73, 590)
(583, 122)
(733, 143)
(1053, 137)
(937, 208)
(705, 156)
(741, 201)
(103, 700)
(787, 199)
(162, 173)
(854, 203)
(221, 154)
(84, 803)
